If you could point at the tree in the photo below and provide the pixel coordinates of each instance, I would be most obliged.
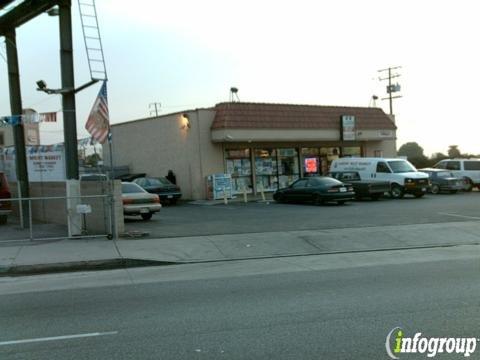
(454, 152)
(414, 154)
(92, 160)
(437, 157)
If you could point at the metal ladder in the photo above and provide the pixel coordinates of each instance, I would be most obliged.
(93, 42)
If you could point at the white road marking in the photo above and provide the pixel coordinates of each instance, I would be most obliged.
(461, 216)
(55, 338)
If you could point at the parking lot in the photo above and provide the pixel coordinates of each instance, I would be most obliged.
(238, 218)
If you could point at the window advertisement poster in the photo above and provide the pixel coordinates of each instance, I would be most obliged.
(219, 186)
(348, 128)
(311, 165)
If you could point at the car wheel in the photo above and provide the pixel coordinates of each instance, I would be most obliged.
(280, 198)
(435, 189)
(146, 216)
(469, 185)
(396, 192)
(3, 219)
(317, 199)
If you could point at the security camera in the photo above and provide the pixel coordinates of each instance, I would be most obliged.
(41, 85)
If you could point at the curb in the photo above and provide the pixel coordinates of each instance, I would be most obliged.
(74, 266)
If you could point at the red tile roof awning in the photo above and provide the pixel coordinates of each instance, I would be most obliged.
(237, 115)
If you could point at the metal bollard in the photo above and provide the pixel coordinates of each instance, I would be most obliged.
(245, 200)
(262, 193)
(225, 200)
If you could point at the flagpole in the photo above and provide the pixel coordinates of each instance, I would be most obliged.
(112, 185)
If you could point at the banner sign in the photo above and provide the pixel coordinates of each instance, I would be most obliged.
(28, 119)
(44, 163)
(348, 128)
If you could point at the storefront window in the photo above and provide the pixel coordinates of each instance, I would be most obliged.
(352, 151)
(288, 169)
(239, 166)
(266, 169)
(311, 162)
(328, 154)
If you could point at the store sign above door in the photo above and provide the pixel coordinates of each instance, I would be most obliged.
(348, 128)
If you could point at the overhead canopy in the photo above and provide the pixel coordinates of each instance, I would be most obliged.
(23, 12)
(237, 115)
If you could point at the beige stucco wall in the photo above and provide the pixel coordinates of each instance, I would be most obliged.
(7, 135)
(31, 131)
(387, 147)
(276, 135)
(156, 145)
(262, 135)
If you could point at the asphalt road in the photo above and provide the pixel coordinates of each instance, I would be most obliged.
(337, 313)
(193, 220)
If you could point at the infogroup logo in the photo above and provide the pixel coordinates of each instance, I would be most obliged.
(397, 343)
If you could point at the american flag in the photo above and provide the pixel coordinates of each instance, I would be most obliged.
(98, 123)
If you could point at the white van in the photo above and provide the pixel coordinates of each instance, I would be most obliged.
(469, 169)
(402, 176)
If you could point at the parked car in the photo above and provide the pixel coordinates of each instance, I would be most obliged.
(167, 191)
(402, 175)
(443, 180)
(317, 189)
(130, 177)
(363, 188)
(469, 169)
(5, 206)
(137, 201)
(93, 177)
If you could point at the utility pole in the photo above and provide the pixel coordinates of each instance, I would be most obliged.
(156, 106)
(391, 88)
(68, 98)
(18, 131)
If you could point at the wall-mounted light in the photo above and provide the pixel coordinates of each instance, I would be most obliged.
(185, 122)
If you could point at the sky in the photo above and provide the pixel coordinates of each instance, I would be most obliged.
(187, 54)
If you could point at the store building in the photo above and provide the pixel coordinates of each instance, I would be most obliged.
(262, 146)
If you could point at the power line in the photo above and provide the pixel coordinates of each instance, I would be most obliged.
(156, 108)
(391, 88)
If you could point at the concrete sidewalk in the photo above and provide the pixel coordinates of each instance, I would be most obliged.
(67, 255)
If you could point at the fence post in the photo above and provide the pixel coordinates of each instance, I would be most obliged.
(30, 218)
(20, 204)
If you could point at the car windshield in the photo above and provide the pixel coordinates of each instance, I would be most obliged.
(131, 189)
(401, 166)
(158, 182)
(325, 181)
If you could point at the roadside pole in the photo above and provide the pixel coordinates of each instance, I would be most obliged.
(112, 186)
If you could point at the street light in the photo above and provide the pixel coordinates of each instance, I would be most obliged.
(42, 86)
